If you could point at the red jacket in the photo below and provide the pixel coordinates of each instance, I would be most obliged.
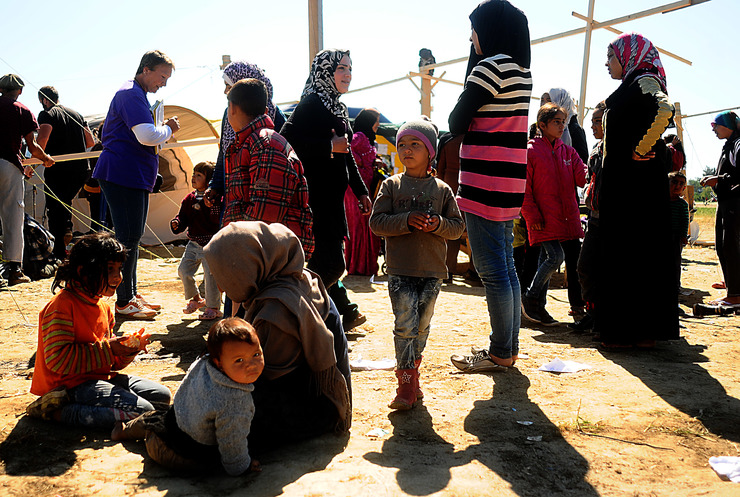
(553, 172)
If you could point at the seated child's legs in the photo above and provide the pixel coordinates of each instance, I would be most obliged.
(189, 264)
(99, 404)
(412, 300)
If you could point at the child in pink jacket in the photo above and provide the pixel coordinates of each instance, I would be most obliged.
(550, 208)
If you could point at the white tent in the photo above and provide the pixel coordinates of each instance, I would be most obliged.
(175, 166)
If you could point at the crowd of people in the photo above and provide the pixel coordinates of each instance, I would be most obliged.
(289, 206)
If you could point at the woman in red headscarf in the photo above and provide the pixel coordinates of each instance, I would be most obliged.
(635, 233)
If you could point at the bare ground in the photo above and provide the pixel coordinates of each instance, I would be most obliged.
(636, 424)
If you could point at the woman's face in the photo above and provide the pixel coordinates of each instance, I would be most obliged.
(613, 65)
(545, 99)
(376, 125)
(343, 75)
(475, 41)
(227, 88)
(722, 132)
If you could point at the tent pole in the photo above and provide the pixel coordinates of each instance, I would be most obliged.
(315, 29)
(586, 57)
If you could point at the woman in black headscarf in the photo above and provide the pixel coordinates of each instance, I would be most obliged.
(319, 131)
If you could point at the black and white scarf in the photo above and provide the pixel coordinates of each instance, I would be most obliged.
(321, 81)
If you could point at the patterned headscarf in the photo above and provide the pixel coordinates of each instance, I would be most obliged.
(638, 57)
(321, 81)
(234, 72)
(562, 98)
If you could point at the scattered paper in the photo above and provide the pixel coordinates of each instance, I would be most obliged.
(376, 282)
(525, 423)
(361, 364)
(537, 438)
(560, 366)
(377, 433)
(727, 467)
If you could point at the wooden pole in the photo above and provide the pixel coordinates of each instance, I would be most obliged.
(586, 58)
(426, 93)
(678, 119)
(315, 29)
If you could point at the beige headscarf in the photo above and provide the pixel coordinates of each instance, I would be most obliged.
(261, 267)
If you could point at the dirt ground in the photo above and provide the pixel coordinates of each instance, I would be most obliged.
(636, 424)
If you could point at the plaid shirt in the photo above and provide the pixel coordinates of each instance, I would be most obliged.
(265, 182)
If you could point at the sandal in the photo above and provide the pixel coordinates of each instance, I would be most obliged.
(211, 313)
(720, 285)
(193, 305)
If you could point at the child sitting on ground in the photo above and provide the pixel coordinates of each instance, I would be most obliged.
(550, 207)
(201, 219)
(78, 357)
(416, 213)
(213, 408)
(679, 220)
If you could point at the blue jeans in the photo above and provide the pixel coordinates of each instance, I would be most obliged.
(492, 248)
(128, 210)
(412, 301)
(100, 403)
(551, 257)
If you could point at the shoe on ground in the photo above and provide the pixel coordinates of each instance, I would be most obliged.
(16, 277)
(135, 310)
(154, 307)
(583, 325)
(536, 314)
(193, 305)
(479, 362)
(45, 406)
(354, 321)
(210, 313)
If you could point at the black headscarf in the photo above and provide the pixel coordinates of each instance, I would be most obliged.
(502, 29)
(365, 121)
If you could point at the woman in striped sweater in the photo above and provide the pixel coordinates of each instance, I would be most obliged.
(492, 113)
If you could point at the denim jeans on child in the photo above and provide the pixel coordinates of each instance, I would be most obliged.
(100, 403)
(412, 301)
(551, 257)
(191, 260)
(492, 248)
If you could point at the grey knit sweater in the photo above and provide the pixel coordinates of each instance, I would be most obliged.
(215, 410)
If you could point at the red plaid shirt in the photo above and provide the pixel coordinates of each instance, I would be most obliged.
(265, 182)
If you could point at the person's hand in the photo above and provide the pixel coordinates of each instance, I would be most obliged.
(174, 224)
(174, 124)
(710, 181)
(118, 348)
(28, 171)
(423, 221)
(648, 156)
(48, 161)
(211, 197)
(366, 205)
(432, 223)
(339, 144)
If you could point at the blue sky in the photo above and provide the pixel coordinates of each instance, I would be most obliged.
(86, 49)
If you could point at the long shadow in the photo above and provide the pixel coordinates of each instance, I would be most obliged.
(422, 457)
(533, 466)
(184, 340)
(672, 370)
(280, 468)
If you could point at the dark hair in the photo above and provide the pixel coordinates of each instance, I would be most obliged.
(87, 264)
(675, 175)
(205, 167)
(548, 111)
(152, 59)
(50, 93)
(601, 106)
(229, 330)
(365, 121)
(250, 95)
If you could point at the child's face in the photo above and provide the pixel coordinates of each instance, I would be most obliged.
(414, 156)
(199, 181)
(597, 125)
(237, 118)
(114, 279)
(241, 361)
(677, 187)
(553, 129)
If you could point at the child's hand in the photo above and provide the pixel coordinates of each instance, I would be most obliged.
(175, 224)
(255, 466)
(119, 348)
(138, 340)
(417, 220)
(432, 223)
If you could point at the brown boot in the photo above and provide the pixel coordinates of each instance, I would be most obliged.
(130, 430)
(419, 393)
(406, 391)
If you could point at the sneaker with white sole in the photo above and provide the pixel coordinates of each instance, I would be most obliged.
(135, 310)
(480, 362)
(150, 305)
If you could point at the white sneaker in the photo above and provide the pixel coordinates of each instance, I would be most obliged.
(154, 307)
(479, 362)
(136, 310)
